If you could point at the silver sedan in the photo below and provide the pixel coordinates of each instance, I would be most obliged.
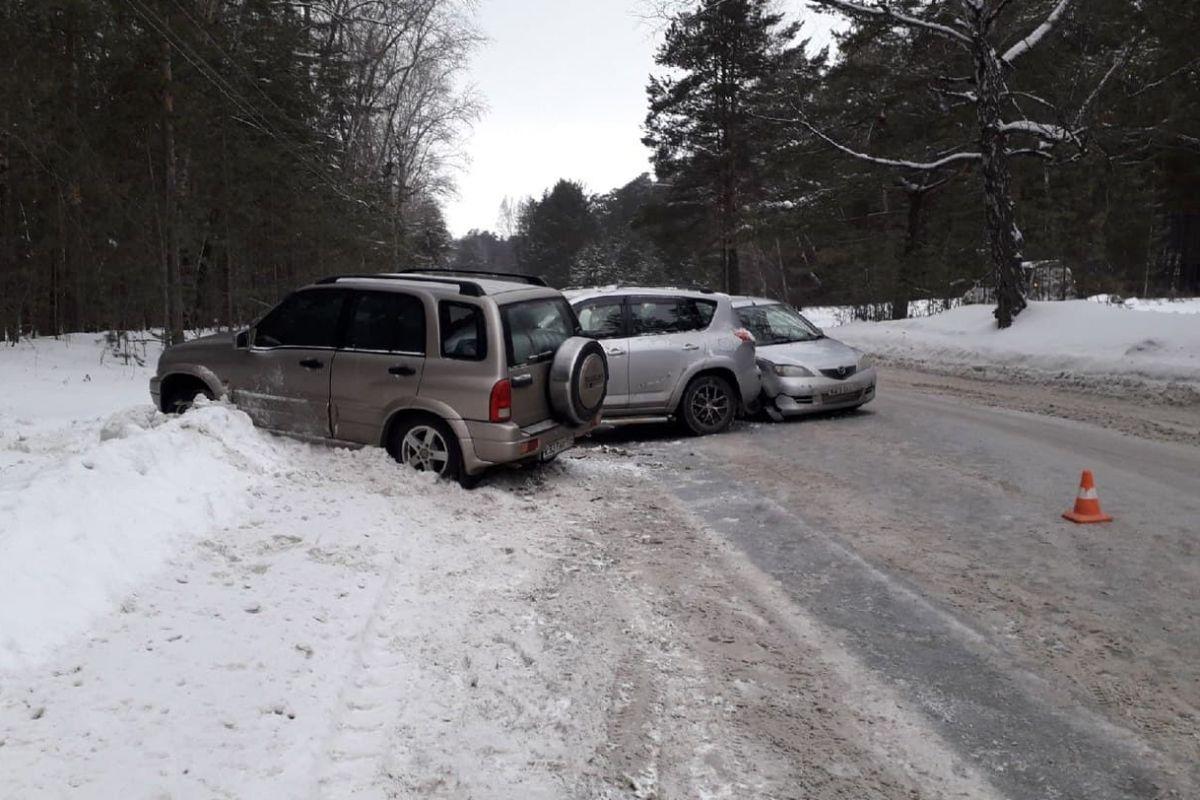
(803, 370)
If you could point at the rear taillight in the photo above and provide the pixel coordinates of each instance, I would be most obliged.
(500, 407)
(744, 335)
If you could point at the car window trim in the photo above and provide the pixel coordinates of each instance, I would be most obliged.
(348, 311)
(626, 319)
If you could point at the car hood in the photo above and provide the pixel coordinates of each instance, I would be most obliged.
(196, 348)
(818, 354)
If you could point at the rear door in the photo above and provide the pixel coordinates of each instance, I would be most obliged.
(533, 331)
(285, 383)
(604, 319)
(379, 364)
(664, 340)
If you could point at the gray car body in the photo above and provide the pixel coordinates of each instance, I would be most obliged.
(648, 374)
(355, 398)
(841, 378)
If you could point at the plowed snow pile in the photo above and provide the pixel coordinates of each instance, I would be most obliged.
(1110, 348)
(79, 533)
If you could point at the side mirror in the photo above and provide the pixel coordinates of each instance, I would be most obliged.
(243, 339)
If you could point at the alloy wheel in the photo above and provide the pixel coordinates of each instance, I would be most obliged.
(424, 449)
(710, 405)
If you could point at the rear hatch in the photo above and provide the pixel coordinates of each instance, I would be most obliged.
(533, 331)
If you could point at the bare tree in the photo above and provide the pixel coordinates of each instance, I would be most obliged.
(1004, 125)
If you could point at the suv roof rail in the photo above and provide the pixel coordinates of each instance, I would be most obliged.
(534, 280)
(469, 288)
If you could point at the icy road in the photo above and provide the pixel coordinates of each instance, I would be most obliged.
(877, 605)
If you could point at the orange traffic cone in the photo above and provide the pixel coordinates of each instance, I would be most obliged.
(1087, 504)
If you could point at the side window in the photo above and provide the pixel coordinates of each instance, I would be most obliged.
(304, 319)
(602, 319)
(652, 316)
(387, 321)
(705, 310)
(462, 331)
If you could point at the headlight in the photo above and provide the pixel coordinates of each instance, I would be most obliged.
(865, 361)
(785, 370)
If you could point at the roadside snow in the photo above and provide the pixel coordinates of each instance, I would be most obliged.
(191, 607)
(77, 534)
(1077, 340)
(1168, 305)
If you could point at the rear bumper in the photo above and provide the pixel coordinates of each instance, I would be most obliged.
(796, 396)
(504, 443)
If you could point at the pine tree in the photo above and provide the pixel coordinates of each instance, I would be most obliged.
(705, 113)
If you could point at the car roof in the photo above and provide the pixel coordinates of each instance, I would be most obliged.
(464, 284)
(577, 295)
(743, 301)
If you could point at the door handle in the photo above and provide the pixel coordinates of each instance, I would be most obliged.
(401, 369)
(522, 380)
(312, 363)
(690, 346)
(616, 351)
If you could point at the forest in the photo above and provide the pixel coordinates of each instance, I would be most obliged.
(182, 163)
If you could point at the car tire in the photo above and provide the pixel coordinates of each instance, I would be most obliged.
(578, 380)
(183, 399)
(708, 405)
(427, 444)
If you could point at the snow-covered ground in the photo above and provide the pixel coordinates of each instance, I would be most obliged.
(1168, 305)
(1106, 347)
(195, 608)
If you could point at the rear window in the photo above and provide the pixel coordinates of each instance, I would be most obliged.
(534, 329)
(386, 321)
(658, 315)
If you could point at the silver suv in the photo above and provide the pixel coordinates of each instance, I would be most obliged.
(671, 353)
(453, 372)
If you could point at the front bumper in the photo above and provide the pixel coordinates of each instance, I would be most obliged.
(504, 443)
(796, 396)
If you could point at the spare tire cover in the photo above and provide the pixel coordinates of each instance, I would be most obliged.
(578, 380)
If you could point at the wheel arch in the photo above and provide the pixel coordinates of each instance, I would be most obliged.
(702, 370)
(439, 411)
(184, 376)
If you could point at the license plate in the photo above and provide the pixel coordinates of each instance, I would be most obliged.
(554, 448)
(835, 391)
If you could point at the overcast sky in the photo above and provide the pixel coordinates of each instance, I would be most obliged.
(565, 86)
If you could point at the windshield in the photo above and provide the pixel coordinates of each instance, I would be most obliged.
(535, 329)
(777, 324)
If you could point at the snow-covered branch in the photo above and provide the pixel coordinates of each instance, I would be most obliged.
(1037, 34)
(886, 12)
(1051, 133)
(920, 166)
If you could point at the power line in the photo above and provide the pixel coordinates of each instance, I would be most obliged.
(256, 119)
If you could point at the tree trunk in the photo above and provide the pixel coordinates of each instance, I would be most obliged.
(174, 291)
(913, 243)
(1004, 239)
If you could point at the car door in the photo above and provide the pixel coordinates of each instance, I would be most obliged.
(379, 364)
(664, 339)
(285, 381)
(604, 319)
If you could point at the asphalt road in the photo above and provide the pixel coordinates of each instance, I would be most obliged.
(924, 531)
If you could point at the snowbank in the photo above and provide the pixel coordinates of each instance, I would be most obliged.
(1076, 340)
(1168, 305)
(77, 534)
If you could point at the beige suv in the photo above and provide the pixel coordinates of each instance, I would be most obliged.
(453, 372)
